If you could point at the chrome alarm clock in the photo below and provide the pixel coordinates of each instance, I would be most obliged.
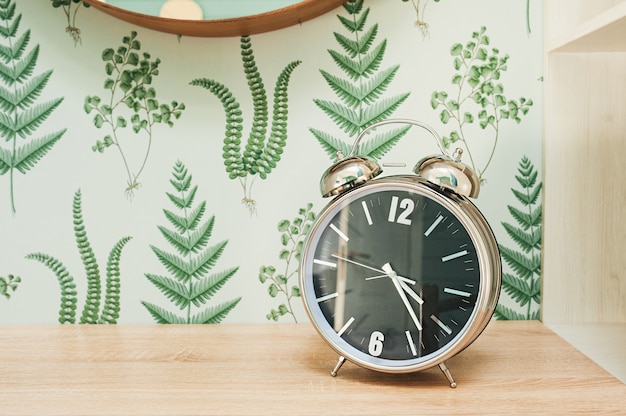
(400, 273)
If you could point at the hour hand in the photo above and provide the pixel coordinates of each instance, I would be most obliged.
(398, 285)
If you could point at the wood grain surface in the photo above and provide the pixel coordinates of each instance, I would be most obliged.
(516, 367)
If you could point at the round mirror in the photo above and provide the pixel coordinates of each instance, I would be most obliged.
(215, 18)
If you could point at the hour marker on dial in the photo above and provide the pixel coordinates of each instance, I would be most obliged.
(339, 232)
(327, 297)
(441, 324)
(325, 263)
(434, 225)
(346, 326)
(454, 256)
(367, 213)
(409, 338)
(457, 292)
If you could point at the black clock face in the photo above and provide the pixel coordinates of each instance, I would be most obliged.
(391, 274)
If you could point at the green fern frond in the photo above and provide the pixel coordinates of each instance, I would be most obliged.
(355, 25)
(519, 289)
(162, 316)
(528, 198)
(233, 159)
(528, 178)
(185, 200)
(526, 219)
(69, 297)
(111, 306)
(261, 153)
(91, 310)
(277, 139)
(25, 94)
(19, 71)
(20, 114)
(525, 267)
(215, 314)
(203, 289)
(507, 314)
(173, 290)
(353, 6)
(331, 144)
(16, 48)
(380, 144)
(189, 242)
(188, 286)
(524, 287)
(526, 240)
(361, 94)
(11, 29)
(382, 109)
(27, 155)
(92, 302)
(346, 118)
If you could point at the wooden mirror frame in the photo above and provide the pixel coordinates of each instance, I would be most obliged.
(237, 26)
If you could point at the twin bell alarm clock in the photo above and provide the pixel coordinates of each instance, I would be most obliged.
(400, 273)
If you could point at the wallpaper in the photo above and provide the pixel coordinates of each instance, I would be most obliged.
(152, 178)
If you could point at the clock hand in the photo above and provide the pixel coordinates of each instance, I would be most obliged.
(403, 279)
(397, 284)
(410, 292)
(357, 263)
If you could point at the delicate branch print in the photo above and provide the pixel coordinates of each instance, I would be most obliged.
(478, 96)
(93, 312)
(70, 8)
(20, 114)
(293, 234)
(420, 11)
(189, 286)
(360, 92)
(9, 285)
(129, 84)
(524, 285)
(262, 152)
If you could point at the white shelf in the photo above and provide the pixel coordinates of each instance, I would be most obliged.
(583, 264)
(603, 33)
(603, 343)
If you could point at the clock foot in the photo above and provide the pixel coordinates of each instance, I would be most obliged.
(335, 370)
(448, 375)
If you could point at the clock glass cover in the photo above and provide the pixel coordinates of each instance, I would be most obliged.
(394, 274)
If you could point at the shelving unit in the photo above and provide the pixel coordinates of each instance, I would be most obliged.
(584, 243)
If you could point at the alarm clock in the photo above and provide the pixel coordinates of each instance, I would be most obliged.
(400, 273)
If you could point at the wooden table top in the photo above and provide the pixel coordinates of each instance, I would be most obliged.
(516, 367)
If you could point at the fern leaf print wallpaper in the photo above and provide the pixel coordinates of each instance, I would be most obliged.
(152, 178)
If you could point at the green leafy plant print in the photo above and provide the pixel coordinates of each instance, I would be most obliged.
(360, 92)
(189, 286)
(478, 96)
(262, 152)
(131, 100)
(94, 311)
(70, 8)
(420, 11)
(292, 238)
(20, 113)
(8, 285)
(523, 284)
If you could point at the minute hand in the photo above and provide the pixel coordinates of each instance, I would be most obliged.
(404, 280)
(396, 282)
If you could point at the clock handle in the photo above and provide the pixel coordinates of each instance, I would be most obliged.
(443, 170)
(425, 126)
